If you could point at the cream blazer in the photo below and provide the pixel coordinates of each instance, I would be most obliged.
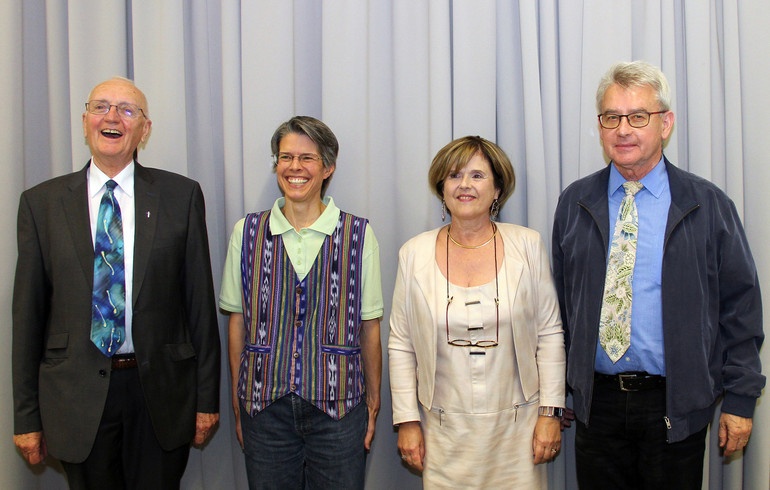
(537, 331)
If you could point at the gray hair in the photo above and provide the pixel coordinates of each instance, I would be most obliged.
(635, 73)
(318, 132)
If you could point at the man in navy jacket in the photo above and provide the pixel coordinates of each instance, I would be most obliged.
(696, 316)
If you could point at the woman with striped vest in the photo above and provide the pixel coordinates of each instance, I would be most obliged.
(302, 285)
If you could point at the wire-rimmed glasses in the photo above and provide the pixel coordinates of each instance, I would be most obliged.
(484, 344)
(125, 110)
(305, 159)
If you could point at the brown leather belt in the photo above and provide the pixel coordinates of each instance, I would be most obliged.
(631, 381)
(123, 361)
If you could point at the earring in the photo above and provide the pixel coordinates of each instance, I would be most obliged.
(443, 210)
(494, 210)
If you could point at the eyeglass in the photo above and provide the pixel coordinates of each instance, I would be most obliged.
(288, 158)
(484, 344)
(635, 120)
(126, 111)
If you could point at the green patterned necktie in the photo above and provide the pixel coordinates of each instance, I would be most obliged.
(615, 321)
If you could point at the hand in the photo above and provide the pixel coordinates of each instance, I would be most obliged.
(567, 417)
(411, 444)
(374, 408)
(546, 440)
(237, 411)
(734, 432)
(32, 445)
(204, 422)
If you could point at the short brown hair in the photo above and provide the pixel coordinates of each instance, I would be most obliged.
(459, 152)
(318, 132)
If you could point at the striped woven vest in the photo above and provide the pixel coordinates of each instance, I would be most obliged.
(302, 336)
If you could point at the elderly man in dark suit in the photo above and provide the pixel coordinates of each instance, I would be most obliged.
(116, 351)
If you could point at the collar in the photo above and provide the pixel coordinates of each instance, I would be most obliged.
(326, 223)
(96, 179)
(655, 181)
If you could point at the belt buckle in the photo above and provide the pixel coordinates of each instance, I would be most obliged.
(622, 380)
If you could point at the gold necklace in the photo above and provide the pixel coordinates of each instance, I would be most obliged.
(494, 234)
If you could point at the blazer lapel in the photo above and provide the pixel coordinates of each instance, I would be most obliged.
(75, 206)
(146, 204)
(425, 278)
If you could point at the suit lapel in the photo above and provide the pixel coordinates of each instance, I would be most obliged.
(146, 205)
(75, 206)
(425, 279)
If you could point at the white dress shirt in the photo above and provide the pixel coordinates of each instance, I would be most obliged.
(124, 193)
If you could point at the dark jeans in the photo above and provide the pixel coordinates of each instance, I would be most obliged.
(624, 446)
(291, 443)
(126, 453)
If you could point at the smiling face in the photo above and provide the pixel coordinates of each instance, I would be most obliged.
(301, 183)
(634, 151)
(470, 191)
(113, 139)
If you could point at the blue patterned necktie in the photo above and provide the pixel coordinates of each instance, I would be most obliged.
(108, 319)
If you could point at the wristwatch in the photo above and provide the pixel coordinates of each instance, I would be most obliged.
(550, 412)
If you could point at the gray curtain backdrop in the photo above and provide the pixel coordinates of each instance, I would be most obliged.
(395, 80)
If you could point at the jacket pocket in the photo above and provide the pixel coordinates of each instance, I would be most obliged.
(180, 352)
(56, 346)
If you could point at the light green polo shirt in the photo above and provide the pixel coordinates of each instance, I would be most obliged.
(302, 248)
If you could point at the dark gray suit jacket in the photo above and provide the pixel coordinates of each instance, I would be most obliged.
(60, 378)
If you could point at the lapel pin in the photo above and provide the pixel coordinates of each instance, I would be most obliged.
(148, 214)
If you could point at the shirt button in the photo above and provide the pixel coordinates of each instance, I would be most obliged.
(102, 373)
(299, 290)
(298, 323)
(293, 387)
(296, 355)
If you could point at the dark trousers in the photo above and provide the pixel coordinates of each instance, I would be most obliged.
(126, 454)
(291, 444)
(624, 446)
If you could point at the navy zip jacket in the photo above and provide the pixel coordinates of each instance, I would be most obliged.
(712, 309)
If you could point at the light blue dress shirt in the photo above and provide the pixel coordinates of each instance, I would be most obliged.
(652, 203)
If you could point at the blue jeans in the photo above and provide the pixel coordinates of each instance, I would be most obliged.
(291, 444)
(624, 446)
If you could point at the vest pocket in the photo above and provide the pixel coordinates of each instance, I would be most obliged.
(258, 349)
(341, 350)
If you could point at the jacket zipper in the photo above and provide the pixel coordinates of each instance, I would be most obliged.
(665, 244)
(605, 241)
(516, 407)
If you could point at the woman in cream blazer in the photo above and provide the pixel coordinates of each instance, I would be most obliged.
(499, 439)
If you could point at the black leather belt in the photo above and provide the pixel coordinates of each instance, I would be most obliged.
(123, 361)
(631, 381)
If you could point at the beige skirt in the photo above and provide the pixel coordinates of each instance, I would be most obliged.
(489, 450)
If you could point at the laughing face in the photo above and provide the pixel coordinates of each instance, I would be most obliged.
(301, 182)
(112, 138)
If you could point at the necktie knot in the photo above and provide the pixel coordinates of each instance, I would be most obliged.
(111, 185)
(631, 187)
